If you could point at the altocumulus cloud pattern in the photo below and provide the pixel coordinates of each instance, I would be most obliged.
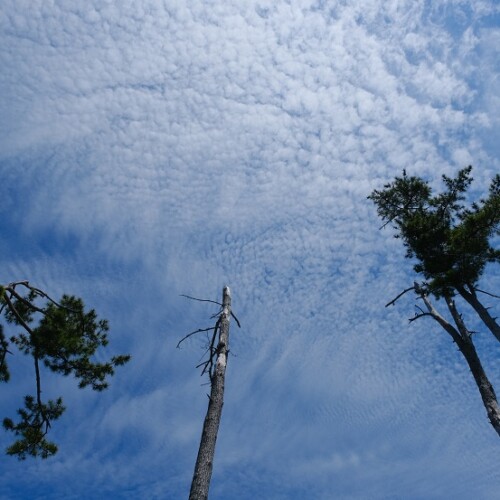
(153, 148)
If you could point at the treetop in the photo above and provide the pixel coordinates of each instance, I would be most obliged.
(450, 238)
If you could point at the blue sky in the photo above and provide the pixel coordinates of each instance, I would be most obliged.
(157, 148)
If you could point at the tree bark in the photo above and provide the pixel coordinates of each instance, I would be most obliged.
(461, 337)
(482, 311)
(484, 385)
(204, 462)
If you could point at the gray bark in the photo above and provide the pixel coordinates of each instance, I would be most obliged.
(461, 337)
(204, 462)
(482, 311)
(484, 385)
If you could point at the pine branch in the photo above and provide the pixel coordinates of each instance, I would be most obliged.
(65, 340)
(17, 315)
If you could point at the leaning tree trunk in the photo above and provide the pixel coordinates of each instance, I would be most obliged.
(482, 311)
(461, 336)
(466, 346)
(483, 384)
(205, 459)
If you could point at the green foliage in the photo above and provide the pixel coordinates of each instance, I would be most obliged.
(65, 338)
(450, 240)
(24, 308)
(33, 427)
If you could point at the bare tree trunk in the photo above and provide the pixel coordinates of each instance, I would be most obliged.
(204, 461)
(482, 311)
(484, 385)
(461, 337)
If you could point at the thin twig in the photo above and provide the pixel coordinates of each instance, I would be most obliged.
(201, 300)
(193, 333)
(393, 301)
(417, 316)
(236, 319)
(216, 315)
(487, 293)
(41, 293)
(212, 351)
(421, 314)
(213, 302)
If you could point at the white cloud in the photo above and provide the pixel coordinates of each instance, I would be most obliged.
(184, 147)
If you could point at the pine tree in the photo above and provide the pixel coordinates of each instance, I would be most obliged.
(452, 243)
(63, 337)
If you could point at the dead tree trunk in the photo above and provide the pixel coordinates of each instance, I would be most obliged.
(204, 461)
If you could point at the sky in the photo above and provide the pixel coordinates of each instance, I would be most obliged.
(155, 148)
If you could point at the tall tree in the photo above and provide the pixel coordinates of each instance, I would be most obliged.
(215, 366)
(62, 336)
(452, 242)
